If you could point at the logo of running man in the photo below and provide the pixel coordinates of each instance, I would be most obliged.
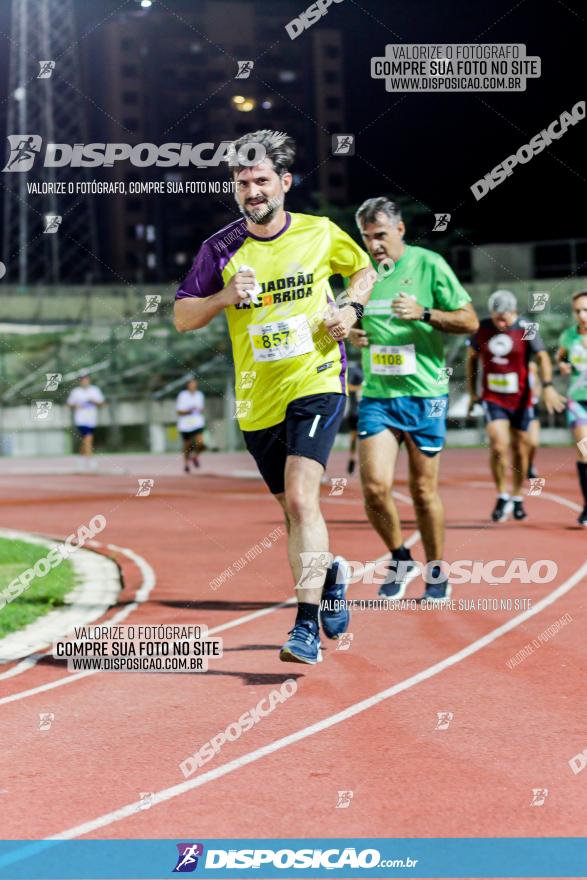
(444, 374)
(436, 408)
(47, 68)
(344, 800)
(46, 719)
(344, 642)
(539, 795)
(41, 409)
(247, 379)
(441, 222)
(152, 301)
(578, 762)
(315, 564)
(343, 145)
(53, 380)
(187, 860)
(338, 485)
(245, 69)
(144, 489)
(538, 301)
(530, 330)
(23, 149)
(146, 799)
(52, 223)
(444, 719)
(537, 484)
(138, 329)
(242, 408)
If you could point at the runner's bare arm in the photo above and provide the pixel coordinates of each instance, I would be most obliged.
(359, 290)
(472, 376)
(553, 401)
(195, 312)
(361, 285)
(459, 321)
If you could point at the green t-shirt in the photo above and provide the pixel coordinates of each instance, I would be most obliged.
(575, 344)
(406, 358)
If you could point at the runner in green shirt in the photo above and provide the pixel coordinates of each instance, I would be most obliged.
(572, 360)
(405, 393)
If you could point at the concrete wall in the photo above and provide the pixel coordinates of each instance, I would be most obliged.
(28, 430)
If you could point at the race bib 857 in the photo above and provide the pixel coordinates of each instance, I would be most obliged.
(281, 339)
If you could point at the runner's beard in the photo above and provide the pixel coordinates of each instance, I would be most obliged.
(263, 212)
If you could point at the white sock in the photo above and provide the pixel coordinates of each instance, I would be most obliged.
(504, 496)
(516, 497)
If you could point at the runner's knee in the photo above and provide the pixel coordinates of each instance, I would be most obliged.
(424, 492)
(499, 449)
(376, 493)
(301, 505)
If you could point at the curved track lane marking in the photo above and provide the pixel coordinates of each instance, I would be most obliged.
(149, 581)
(239, 621)
(141, 596)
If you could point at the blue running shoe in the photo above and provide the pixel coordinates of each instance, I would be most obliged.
(303, 646)
(437, 592)
(334, 614)
(396, 582)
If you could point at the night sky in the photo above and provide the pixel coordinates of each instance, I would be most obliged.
(433, 147)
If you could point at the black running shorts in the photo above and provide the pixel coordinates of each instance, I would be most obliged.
(308, 430)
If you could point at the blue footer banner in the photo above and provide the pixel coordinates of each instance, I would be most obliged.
(272, 858)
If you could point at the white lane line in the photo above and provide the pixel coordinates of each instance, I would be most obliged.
(564, 501)
(183, 787)
(149, 578)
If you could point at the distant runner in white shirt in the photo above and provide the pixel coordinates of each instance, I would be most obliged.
(191, 423)
(84, 401)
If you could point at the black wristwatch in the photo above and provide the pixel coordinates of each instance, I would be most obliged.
(359, 309)
(426, 315)
(546, 384)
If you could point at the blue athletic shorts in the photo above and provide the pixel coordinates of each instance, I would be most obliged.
(423, 418)
(85, 430)
(518, 418)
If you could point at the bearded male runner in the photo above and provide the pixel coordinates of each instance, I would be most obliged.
(269, 274)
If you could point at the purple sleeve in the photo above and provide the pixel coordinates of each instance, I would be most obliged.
(204, 278)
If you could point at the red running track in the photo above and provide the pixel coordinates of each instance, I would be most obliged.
(116, 735)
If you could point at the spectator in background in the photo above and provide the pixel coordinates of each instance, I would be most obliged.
(191, 423)
(84, 401)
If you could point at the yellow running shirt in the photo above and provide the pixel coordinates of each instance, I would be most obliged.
(281, 349)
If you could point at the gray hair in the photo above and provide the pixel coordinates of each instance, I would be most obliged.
(369, 210)
(274, 145)
(503, 301)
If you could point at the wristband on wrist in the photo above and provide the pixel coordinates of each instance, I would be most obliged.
(358, 308)
(546, 384)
